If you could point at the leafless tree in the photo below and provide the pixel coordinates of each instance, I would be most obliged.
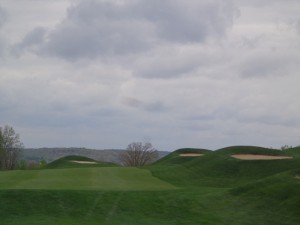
(138, 154)
(10, 146)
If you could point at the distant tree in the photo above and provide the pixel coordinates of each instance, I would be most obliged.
(10, 147)
(138, 154)
(284, 147)
(42, 163)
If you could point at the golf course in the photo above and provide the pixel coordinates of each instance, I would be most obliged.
(239, 185)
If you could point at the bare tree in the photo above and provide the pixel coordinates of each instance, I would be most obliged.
(138, 154)
(10, 146)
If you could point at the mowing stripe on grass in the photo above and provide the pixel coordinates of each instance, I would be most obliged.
(106, 178)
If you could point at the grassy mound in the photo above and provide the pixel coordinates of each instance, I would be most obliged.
(295, 152)
(74, 161)
(279, 193)
(176, 158)
(218, 168)
(250, 150)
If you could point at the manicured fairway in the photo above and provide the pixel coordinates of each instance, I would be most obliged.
(106, 178)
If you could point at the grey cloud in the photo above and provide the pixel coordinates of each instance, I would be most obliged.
(260, 68)
(147, 106)
(33, 38)
(177, 61)
(132, 102)
(298, 25)
(2, 21)
(93, 28)
(155, 107)
(165, 70)
(266, 119)
(262, 3)
(268, 64)
(2, 17)
(188, 21)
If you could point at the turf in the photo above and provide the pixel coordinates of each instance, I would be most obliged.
(106, 178)
(207, 190)
(219, 169)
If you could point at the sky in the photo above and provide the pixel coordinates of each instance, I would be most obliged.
(177, 73)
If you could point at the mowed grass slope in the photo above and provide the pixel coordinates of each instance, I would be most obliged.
(215, 189)
(220, 169)
(258, 191)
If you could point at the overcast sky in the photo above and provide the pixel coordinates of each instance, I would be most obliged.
(178, 73)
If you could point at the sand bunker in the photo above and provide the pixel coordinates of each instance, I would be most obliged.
(259, 157)
(191, 154)
(83, 162)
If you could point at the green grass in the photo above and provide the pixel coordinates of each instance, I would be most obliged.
(219, 169)
(190, 206)
(106, 178)
(214, 189)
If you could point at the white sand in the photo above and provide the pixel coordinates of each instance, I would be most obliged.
(259, 157)
(83, 162)
(191, 154)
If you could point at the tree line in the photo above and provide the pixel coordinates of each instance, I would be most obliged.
(136, 153)
(10, 148)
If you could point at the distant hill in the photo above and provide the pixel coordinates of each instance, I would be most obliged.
(51, 154)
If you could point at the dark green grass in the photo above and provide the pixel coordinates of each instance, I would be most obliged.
(295, 152)
(81, 207)
(215, 189)
(219, 169)
(208, 206)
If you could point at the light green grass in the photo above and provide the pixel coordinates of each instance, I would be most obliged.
(106, 178)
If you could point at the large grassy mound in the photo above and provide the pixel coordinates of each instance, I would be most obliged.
(220, 169)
